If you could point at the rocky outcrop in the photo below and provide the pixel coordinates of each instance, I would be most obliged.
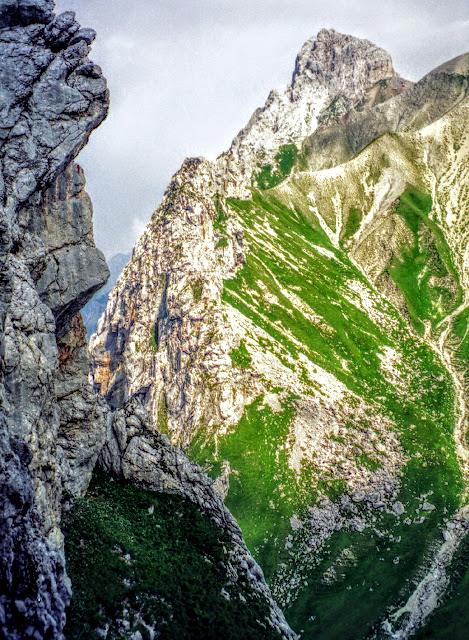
(167, 305)
(428, 100)
(53, 96)
(25, 12)
(135, 451)
(333, 72)
(57, 237)
(83, 416)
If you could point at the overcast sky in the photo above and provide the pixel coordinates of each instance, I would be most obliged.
(186, 75)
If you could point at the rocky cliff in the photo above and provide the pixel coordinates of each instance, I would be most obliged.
(52, 98)
(53, 428)
(298, 309)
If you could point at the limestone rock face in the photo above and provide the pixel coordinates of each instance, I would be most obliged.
(422, 104)
(164, 334)
(52, 98)
(45, 398)
(57, 234)
(168, 309)
(83, 416)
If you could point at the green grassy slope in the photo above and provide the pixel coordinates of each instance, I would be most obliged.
(323, 323)
(140, 560)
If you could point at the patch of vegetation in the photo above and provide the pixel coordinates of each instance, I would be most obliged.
(460, 342)
(321, 283)
(380, 566)
(270, 176)
(223, 242)
(158, 558)
(353, 222)
(154, 338)
(241, 357)
(333, 489)
(263, 490)
(368, 463)
(162, 415)
(220, 221)
(424, 269)
(197, 289)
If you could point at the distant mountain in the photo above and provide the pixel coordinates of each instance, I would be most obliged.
(296, 316)
(97, 305)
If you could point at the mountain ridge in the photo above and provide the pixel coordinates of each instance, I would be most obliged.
(302, 314)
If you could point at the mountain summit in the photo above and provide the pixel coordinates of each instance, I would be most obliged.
(333, 72)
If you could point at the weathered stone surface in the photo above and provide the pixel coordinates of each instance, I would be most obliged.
(169, 305)
(34, 589)
(425, 102)
(333, 73)
(24, 12)
(83, 416)
(51, 101)
(58, 236)
(54, 424)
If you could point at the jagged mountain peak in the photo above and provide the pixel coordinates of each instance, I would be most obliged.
(333, 73)
(411, 108)
(345, 63)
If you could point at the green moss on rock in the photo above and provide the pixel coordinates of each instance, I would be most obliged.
(241, 357)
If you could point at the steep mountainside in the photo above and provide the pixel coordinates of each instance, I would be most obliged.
(52, 98)
(295, 316)
(126, 578)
